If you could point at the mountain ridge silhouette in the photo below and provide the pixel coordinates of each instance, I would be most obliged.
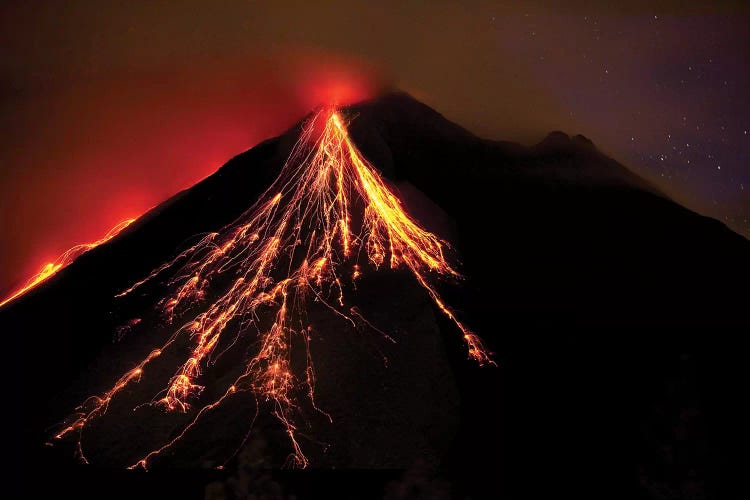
(595, 292)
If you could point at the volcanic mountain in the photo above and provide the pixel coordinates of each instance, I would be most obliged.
(614, 314)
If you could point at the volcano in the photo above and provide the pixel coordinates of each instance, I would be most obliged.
(615, 317)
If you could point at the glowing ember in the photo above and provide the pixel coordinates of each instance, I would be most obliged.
(305, 239)
(62, 261)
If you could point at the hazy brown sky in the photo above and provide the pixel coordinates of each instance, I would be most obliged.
(110, 107)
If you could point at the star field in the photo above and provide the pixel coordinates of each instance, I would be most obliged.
(665, 95)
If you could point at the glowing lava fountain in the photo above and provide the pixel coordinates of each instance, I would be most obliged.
(65, 259)
(327, 218)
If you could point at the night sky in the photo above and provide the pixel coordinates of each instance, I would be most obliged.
(108, 108)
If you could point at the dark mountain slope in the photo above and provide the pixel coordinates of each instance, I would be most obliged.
(615, 314)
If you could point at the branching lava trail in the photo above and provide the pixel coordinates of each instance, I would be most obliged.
(325, 220)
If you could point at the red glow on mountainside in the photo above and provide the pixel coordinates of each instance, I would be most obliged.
(51, 268)
(87, 154)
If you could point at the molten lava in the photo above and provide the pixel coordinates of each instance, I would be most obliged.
(50, 268)
(326, 219)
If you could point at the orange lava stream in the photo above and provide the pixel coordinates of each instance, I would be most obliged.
(304, 240)
(66, 258)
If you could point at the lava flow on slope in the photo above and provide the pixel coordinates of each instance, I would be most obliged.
(328, 218)
(51, 268)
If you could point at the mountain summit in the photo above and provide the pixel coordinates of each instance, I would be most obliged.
(612, 312)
